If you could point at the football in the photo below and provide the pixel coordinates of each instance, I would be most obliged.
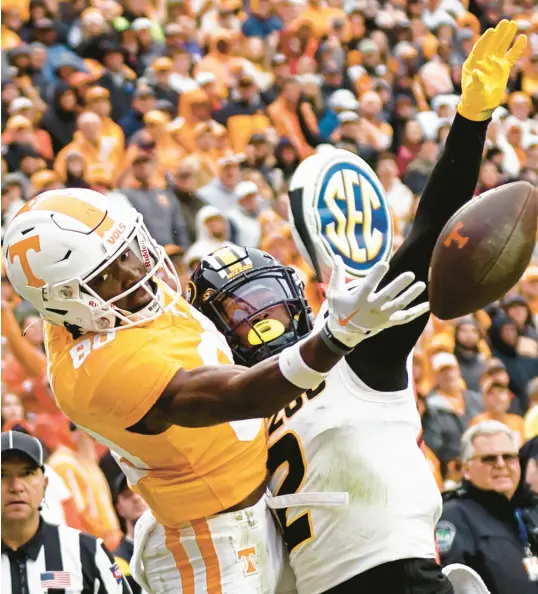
(483, 250)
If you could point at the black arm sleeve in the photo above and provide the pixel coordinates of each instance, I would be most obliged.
(380, 362)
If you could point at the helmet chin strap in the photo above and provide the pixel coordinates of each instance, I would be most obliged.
(147, 311)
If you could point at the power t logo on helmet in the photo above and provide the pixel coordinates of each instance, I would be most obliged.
(58, 250)
(338, 208)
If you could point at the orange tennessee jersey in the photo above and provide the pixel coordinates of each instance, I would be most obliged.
(107, 382)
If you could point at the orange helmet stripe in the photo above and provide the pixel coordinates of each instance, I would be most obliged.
(78, 209)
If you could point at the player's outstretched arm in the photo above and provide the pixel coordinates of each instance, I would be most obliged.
(454, 178)
(211, 395)
(451, 185)
(453, 181)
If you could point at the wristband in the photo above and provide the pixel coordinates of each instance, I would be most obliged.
(296, 371)
(333, 344)
(471, 114)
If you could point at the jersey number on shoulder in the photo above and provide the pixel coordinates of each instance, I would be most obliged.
(280, 418)
(288, 452)
(81, 351)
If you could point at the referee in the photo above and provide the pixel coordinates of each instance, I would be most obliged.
(37, 556)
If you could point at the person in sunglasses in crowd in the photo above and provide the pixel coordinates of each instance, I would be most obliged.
(491, 522)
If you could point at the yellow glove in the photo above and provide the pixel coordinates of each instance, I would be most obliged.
(485, 72)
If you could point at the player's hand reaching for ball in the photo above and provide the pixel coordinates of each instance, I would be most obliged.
(357, 311)
(487, 69)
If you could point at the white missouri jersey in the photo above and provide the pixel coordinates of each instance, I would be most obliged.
(351, 487)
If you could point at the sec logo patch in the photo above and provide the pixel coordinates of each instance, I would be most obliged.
(338, 207)
(355, 219)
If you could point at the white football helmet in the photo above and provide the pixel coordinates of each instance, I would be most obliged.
(62, 239)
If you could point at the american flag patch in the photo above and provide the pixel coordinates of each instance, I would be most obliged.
(116, 572)
(55, 579)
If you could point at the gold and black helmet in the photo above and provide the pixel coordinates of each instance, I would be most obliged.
(254, 301)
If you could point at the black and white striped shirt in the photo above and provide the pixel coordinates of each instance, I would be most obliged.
(61, 560)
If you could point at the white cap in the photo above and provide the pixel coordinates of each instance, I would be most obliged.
(93, 17)
(444, 122)
(230, 160)
(429, 122)
(324, 148)
(20, 103)
(512, 122)
(444, 18)
(384, 20)
(499, 113)
(448, 100)
(89, 116)
(140, 24)
(308, 79)
(442, 360)
(246, 188)
(343, 99)
(367, 45)
(403, 49)
(401, 19)
(204, 78)
(523, 24)
(348, 116)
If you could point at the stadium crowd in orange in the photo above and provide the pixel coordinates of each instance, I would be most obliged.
(197, 112)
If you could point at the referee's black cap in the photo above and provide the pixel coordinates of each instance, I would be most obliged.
(22, 443)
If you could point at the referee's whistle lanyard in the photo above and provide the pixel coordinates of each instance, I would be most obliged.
(523, 533)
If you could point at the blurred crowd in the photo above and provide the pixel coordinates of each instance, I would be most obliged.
(197, 113)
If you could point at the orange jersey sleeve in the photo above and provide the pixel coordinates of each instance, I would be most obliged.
(105, 383)
(149, 371)
(117, 376)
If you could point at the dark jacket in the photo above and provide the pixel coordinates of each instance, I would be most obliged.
(190, 203)
(162, 214)
(521, 369)
(121, 94)
(528, 451)
(131, 122)
(257, 26)
(243, 118)
(443, 428)
(59, 123)
(287, 168)
(479, 529)
(92, 47)
(471, 361)
(529, 329)
(163, 93)
(76, 182)
(471, 366)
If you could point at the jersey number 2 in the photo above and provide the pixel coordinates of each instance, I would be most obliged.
(288, 452)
